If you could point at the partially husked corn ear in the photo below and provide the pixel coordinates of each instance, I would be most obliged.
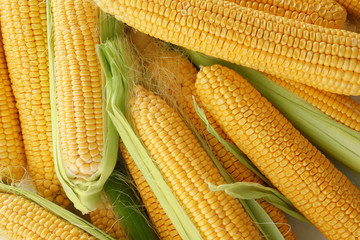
(187, 169)
(339, 107)
(12, 154)
(23, 26)
(24, 219)
(325, 58)
(352, 6)
(78, 85)
(104, 218)
(302, 173)
(323, 13)
(161, 221)
(177, 76)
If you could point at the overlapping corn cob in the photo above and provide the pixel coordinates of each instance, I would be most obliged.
(12, 155)
(176, 75)
(188, 169)
(24, 219)
(321, 192)
(161, 221)
(323, 13)
(321, 57)
(104, 218)
(78, 86)
(339, 107)
(23, 26)
(353, 6)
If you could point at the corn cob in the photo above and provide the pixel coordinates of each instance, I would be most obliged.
(12, 155)
(352, 6)
(23, 25)
(321, 57)
(323, 13)
(339, 107)
(177, 76)
(161, 221)
(304, 175)
(23, 219)
(78, 86)
(104, 218)
(188, 169)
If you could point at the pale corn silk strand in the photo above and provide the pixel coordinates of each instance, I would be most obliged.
(304, 175)
(321, 57)
(78, 85)
(175, 76)
(23, 26)
(326, 13)
(178, 154)
(12, 154)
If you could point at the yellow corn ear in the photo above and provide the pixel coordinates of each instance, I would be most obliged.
(78, 85)
(339, 107)
(176, 76)
(323, 13)
(188, 169)
(161, 221)
(301, 172)
(321, 57)
(23, 26)
(24, 219)
(104, 218)
(12, 154)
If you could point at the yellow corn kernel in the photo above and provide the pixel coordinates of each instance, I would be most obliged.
(104, 218)
(12, 155)
(187, 169)
(323, 13)
(23, 26)
(320, 57)
(353, 6)
(78, 85)
(339, 107)
(302, 173)
(24, 219)
(161, 221)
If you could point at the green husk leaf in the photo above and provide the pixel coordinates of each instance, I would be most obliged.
(57, 210)
(126, 206)
(250, 190)
(83, 193)
(118, 64)
(331, 137)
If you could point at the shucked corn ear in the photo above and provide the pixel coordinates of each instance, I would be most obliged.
(304, 175)
(80, 126)
(339, 107)
(187, 168)
(26, 215)
(323, 13)
(176, 75)
(23, 26)
(321, 57)
(12, 155)
(161, 221)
